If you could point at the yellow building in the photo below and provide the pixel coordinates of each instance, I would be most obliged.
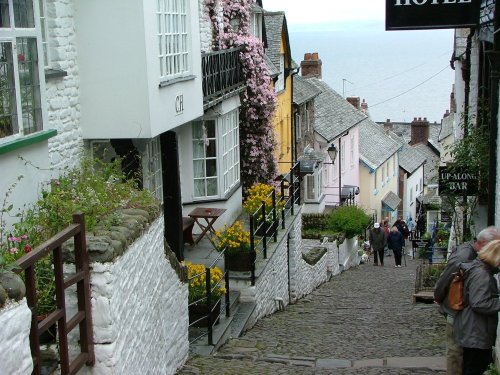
(279, 60)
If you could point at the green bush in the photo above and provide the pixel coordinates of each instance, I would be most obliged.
(350, 220)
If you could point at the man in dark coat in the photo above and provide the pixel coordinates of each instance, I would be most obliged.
(464, 253)
(396, 242)
(378, 241)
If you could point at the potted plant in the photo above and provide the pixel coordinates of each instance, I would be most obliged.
(348, 221)
(262, 193)
(236, 241)
(199, 306)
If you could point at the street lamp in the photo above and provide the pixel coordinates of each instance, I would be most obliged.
(332, 152)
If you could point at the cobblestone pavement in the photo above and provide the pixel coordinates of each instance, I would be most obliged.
(362, 321)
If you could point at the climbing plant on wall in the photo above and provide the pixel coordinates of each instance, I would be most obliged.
(258, 101)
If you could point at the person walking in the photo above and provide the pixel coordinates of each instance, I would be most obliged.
(475, 327)
(385, 227)
(464, 253)
(395, 241)
(378, 241)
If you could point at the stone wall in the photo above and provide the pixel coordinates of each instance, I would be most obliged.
(62, 92)
(15, 354)
(140, 310)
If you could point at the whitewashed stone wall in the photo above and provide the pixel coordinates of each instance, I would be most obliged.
(140, 311)
(206, 30)
(15, 324)
(62, 93)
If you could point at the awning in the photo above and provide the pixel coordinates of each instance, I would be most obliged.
(307, 166)
(391, 200)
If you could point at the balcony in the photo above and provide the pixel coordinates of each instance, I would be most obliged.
(222, 76)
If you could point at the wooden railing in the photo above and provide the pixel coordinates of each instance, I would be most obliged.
(222, 73)
(83, 316)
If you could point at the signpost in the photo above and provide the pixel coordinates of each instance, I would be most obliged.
(457, 181)
(431, 14)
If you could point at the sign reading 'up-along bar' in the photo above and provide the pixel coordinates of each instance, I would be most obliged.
(457, 181)
(430, 14)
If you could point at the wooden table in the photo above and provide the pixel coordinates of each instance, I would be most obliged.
(209, 215)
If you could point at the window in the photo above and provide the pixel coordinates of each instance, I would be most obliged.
(298, 130)
(352, 151)
(280, 83)
(257, 23)
(151, 167)
(216, 156)
(313, 186)
(375, 180)
(411, 194)
(416, 187)
(383, 174)
(394, 165)
(173, 26)
(305, 117)
(20, 102)
(342, 158)
(44, 31)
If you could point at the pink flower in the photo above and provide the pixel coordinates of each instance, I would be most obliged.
(24, 237)
(13, 250)
(14, 239)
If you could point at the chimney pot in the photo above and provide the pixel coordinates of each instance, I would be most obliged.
(315, 56)
(307, 56)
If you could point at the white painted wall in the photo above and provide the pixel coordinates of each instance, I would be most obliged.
(120, 73)
(409, 205)
(15, 353)
(140, 311)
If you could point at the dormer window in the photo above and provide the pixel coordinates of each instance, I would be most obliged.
(256, 22)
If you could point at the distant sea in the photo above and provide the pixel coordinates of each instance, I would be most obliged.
(400, 74)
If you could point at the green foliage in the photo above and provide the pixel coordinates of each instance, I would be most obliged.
(95, 188)
(350, 220)
(492, 369)
(430, 275)
(315, 222)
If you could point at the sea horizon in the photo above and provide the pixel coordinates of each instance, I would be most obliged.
(400, 74)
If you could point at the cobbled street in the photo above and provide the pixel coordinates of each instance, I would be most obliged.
(362, 321)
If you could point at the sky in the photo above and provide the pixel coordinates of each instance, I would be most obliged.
(299, 12)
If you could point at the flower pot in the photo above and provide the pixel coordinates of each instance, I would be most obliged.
(199, 311)
(240, 261)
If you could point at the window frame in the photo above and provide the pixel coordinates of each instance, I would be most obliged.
(152, 171)
(167, 9)
(227, 155)
(26, 76)
(317, 186)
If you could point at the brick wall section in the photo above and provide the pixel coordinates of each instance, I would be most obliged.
(354, 101)
(311, 65)
(62, 93)
(419, 130)
(140, 310)
(15, 354)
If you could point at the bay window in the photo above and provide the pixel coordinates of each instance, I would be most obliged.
(313, 186)
(20, 101)
(216, 156)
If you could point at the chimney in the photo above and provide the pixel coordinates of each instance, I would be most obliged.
(364, 106)
(388, 126)
(354, 100)
(419, 130)
(446, 114)
(311, 65)
(452, 102)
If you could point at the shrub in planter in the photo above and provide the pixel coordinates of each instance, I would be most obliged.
(349, 220)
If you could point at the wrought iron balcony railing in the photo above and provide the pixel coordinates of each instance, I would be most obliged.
(222, 75)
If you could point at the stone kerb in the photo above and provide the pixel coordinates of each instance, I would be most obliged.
(139, 301)
(15, 353)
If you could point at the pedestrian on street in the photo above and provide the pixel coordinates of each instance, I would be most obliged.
(396, 244)
(378, 241)
(385, 227)
(475, 327)
(464, 253)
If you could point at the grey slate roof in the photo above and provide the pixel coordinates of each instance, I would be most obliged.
(333, 114)
(410, 159)
(403, 129)
(303, 91)
(430, 167)
(271, 68)
(274, 25)
(375, 147)
(391, 200)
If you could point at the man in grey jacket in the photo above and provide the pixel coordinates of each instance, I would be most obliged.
(464, 253)
(378, 241)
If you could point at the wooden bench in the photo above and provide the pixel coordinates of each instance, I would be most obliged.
(187, 230)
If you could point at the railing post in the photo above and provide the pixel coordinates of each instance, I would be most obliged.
(252, 245)
(292, 189)
(209, 304)
(283, 200)
(226, 280)
(264, 226)
(275, 218)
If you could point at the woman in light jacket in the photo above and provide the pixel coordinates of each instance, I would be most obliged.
(475, 327)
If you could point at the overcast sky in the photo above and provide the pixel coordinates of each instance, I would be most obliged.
(318, 11)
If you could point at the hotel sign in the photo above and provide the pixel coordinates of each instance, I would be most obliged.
(457, 181)
(430, 14)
